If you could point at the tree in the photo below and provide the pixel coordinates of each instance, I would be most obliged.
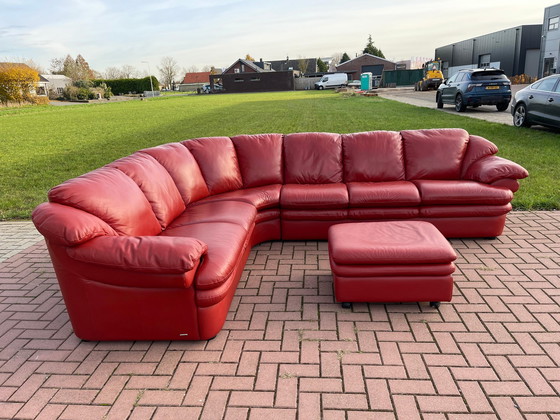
(77, 69)
(83, 72)
(17, 82)
(112, 73)
(191, 69)
(128, 71)
(344, 58)
(322, 66)
(372, 49)
(303, 64)
(168, 70)
(249, 58)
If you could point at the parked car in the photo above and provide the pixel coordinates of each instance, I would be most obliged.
(475, 87)
(538, 103)
(208, 89)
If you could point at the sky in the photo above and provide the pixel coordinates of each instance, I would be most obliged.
(218, 32)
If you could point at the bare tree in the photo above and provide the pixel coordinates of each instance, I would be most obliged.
(112, 73)
(56, 65)
(168, 70)
(128, 71)
(303, 64)
(192, 69)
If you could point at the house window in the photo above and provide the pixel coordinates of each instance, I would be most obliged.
(553, 23)
(59, 90)
(238, 80)
(242, 68)
(255, 79)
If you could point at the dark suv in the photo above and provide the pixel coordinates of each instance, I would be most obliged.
(475, 87)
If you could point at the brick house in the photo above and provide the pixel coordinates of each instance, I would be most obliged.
(246, 76)
(365, 63)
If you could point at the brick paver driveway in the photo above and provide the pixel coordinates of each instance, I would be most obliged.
(288, 351)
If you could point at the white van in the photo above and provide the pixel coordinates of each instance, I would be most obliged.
(332, 81)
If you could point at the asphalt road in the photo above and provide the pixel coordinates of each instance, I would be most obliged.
(428, 100)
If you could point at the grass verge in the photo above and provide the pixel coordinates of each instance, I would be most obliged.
(43, 146)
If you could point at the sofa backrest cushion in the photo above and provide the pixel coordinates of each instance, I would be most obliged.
(183, 168)
(312, 158)
(156, 184)
(218, 162)
(434, 154)
(477, 148)
(260, 159)
(373, 156)
(113, 197)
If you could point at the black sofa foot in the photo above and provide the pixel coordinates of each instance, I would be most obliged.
(346, 305)
(435, 304)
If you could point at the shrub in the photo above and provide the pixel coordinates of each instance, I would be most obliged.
(124, 86)
(17, 81)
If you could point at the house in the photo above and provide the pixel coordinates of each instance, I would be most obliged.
(365, 63)
(304, 65)
(194, 81)
(515, 50)
(56, 82)
(247, 76)
(550, 44)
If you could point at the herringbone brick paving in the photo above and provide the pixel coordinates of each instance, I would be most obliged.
(288, 351)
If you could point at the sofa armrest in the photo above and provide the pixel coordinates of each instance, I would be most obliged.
(147, 254)
(68, 226)
(493, 168)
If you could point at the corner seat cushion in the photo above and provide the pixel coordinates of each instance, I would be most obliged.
(314, 196)
(389, 243)
(156, 184)
(462, 192)
(225, 243)
(113, 197)
(260, 159)
(260, 197)
(312, 158)
(236, 212)
(373, 156)
(434, 154)
(383, 194)
(217, 160)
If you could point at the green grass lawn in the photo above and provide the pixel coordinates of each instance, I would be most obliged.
(43, 146)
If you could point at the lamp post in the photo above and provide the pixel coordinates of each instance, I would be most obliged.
(150, 76)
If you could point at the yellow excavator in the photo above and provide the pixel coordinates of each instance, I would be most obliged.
(433, 77)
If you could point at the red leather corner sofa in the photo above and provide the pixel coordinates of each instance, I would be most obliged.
(152, 246)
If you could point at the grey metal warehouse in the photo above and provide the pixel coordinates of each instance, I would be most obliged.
(515, 50)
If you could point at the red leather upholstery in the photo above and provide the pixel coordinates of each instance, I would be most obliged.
(154, 244)
(260, 159)
(156, 184)
(383, 194)
(434, 154)
(390, 262)
(111, 196)
(312, 158)
(381, 243)
(182, 167)
(261, 197)
(218, 163)
(373, 156)
(462, 192)
(314, 197)
(237, 212)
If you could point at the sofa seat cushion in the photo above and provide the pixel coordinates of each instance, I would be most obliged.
(473, 210)
(393, 270)
(225, 241)
(383, 194)
(260, 197)
(236, 212)
(314, 215)
(376, 213)
(462, 192)
(314, 196)
(389, 243)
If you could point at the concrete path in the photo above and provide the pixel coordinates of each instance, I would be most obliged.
(289, 351)
(428, 100)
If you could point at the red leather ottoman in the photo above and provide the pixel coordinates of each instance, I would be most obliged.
(403, 261)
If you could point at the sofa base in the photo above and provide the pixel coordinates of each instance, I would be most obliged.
(450, 227)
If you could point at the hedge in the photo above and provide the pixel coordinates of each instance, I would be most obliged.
(123, 86)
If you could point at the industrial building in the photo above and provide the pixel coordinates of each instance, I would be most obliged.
(515, 50)
(550, 45)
